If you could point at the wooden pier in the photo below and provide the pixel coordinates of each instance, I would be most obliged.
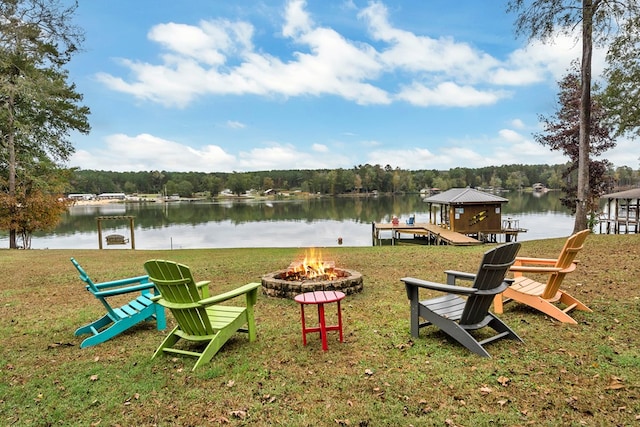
(429, 234)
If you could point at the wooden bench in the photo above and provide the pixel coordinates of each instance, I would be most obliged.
(116, 239)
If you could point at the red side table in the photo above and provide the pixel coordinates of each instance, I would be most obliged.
(320, 298)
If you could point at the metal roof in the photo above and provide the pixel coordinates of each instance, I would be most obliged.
(634, 193)
(460, 196)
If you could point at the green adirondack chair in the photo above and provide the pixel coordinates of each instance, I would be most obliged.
(200, 319)
(119, 319)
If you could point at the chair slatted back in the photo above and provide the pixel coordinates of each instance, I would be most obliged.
(91, 287)
(493, 269)
(572, 246)
(180, 295)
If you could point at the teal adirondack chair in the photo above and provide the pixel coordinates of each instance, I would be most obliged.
(118, 320)
(200, 319)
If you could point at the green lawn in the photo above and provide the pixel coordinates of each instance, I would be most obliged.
(585, 374)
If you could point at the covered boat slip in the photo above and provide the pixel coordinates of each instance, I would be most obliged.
(458, 216)
(620, 213)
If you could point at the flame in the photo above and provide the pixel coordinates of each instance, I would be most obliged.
(312, 267)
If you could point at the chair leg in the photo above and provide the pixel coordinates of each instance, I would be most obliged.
(251, 323)
(219, 339)
(459, 334)
(498, 305)
(161, 318)
(94, 326)
(567, 299)
(168, 342)
(499, 326)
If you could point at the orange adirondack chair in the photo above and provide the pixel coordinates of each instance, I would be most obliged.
(545, 297)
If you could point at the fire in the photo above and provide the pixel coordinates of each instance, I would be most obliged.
(312, 267)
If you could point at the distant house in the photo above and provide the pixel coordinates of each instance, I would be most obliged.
(270, 192)
(114, 196)
(467, 211)
(539, 187)
(81, 196)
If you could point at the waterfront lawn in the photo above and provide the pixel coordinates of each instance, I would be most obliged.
(586, 374)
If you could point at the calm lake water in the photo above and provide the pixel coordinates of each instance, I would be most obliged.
(296, 223)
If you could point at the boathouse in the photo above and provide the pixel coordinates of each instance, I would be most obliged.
(471, 212)
(620, 213)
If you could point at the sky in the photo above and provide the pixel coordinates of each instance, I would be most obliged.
(258, 85)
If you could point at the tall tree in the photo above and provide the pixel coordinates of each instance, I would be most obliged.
(38, 107)
(543, 19)
(562, 132)
(623, 77)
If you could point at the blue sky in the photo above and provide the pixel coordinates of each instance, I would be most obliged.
(219, 86)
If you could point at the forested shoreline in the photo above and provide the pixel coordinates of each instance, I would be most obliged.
(362, 178)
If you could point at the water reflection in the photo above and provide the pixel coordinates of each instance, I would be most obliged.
(298, 223)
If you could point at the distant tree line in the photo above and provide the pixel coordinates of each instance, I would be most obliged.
(360, 179)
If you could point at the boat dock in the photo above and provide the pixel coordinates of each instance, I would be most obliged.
(425, 233)
(433, 234)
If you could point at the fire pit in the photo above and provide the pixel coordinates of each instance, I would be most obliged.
(308, 275)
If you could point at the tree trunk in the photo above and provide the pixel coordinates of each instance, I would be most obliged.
(11, 147)
(585, 117)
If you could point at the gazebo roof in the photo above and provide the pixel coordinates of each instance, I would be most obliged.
(461, 196)
(634, 193)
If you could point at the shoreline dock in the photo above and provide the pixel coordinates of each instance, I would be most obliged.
(433, 234)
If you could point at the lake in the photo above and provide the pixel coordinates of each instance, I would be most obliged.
(316, 222)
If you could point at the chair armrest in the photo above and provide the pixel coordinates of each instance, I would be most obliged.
(452, 275)
(231, 294)
(203, 286)
(203, 283)
(530, 260)
(531, 269)
(122, 291)
(122, 282)
(411, 281)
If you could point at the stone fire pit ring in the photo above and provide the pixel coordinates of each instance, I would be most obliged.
(349, 282)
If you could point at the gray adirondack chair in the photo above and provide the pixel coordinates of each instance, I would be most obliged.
(458, 316)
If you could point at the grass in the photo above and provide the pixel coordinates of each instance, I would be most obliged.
(585, 374)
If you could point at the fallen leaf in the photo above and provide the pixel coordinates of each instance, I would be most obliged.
(615, 383)
(231, 383)
(239, 414)
(503, 380)
(368, 372)
(485, 390)
(93, 377)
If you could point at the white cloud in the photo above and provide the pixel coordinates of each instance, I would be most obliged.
(537, 60)
(286, 156)
(233, 124)
(518, 124)
(320, 148)
(625, 153)
(425, 54)
(147, 152)
(217, 57)
(297, 20)
(449, 94)
(510, 135)
(144, 152)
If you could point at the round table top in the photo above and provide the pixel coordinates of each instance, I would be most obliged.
(319, 297)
